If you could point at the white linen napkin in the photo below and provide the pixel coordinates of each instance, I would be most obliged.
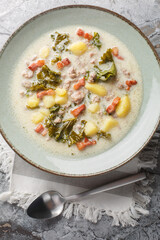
(125, 204)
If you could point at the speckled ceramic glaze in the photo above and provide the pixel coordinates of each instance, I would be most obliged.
(146, 122)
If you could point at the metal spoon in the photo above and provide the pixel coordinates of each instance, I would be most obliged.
(50, 204)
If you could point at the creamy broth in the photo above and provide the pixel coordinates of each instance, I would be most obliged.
(127, 69)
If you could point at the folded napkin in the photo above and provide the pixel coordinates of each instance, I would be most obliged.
(125, 204)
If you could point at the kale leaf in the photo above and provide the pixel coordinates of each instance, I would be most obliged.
(95, 40)
(104, 135)
(56, 59)
(46, 79)
(107, 57)
(61, 40)
(104, 75)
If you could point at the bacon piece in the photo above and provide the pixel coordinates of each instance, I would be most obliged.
(111, 108)
(85, 143)
(78, 110)
(79, 84)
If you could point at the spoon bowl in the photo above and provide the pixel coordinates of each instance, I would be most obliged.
(48, 205)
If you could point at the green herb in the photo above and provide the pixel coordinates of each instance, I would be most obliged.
(27, 93)
(46, 79)
(86, 76)
(60, 41)
(104, 75)
(89, 97)
(76, 137)
(56, 59)
(63, 132)
(95, 40)
(104, 135)
(55, 108)
(107, 57)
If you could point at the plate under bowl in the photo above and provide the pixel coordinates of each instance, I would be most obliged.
(146, 122)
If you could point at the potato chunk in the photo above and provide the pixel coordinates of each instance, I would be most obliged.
(44, 52)
(37, 117)
(45, 112)
(96, 88)
(33, 102)
(78, 48)
(61, 92)
(90, 129)
(123, 107)
(61, 99)
(48, 101)
(94, 107)
(108, 124)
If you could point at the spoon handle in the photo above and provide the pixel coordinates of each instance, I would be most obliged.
(118, 183)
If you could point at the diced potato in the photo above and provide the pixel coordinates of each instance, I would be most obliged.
(61, 91)
(94, 107)
(61, 99)
(96, 88)
(33, 102)
(45, 112)
(37, 117)
(78, 48)
(108, 124)
(123, 107)
(44, 52)
(90, 129)
(48, 101)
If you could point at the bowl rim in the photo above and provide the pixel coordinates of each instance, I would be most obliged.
(154, 52)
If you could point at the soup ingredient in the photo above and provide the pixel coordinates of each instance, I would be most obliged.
(33, 67)
(45, 112)
(78, 110)
(60, 131)
(94, 107)
(61, 99)
(56, 59)
(60, 65)
(44, 93)
(32, 102)
(63, 63)
(96, 41)
(77, 97)
(45, 79)
(49, 101)
(88, 36)
(37, 117)
(108, 124)
(90, 129)
(80, 32)
(104, 135)
(112, 107)
(123, 107)
(106, 57)
(130, 83)
(61, 41)
(78, 48)
(115, 52)
(79, 84)
(85, 143)
(39, 128)
(104, 75)
(61, 91)
(44, 52)
(96, 89)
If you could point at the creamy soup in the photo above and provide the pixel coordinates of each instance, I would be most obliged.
(77, 90)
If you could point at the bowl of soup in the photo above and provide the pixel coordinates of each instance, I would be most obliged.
(79, 93)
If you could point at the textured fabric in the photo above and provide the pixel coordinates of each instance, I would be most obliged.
(125, 204)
